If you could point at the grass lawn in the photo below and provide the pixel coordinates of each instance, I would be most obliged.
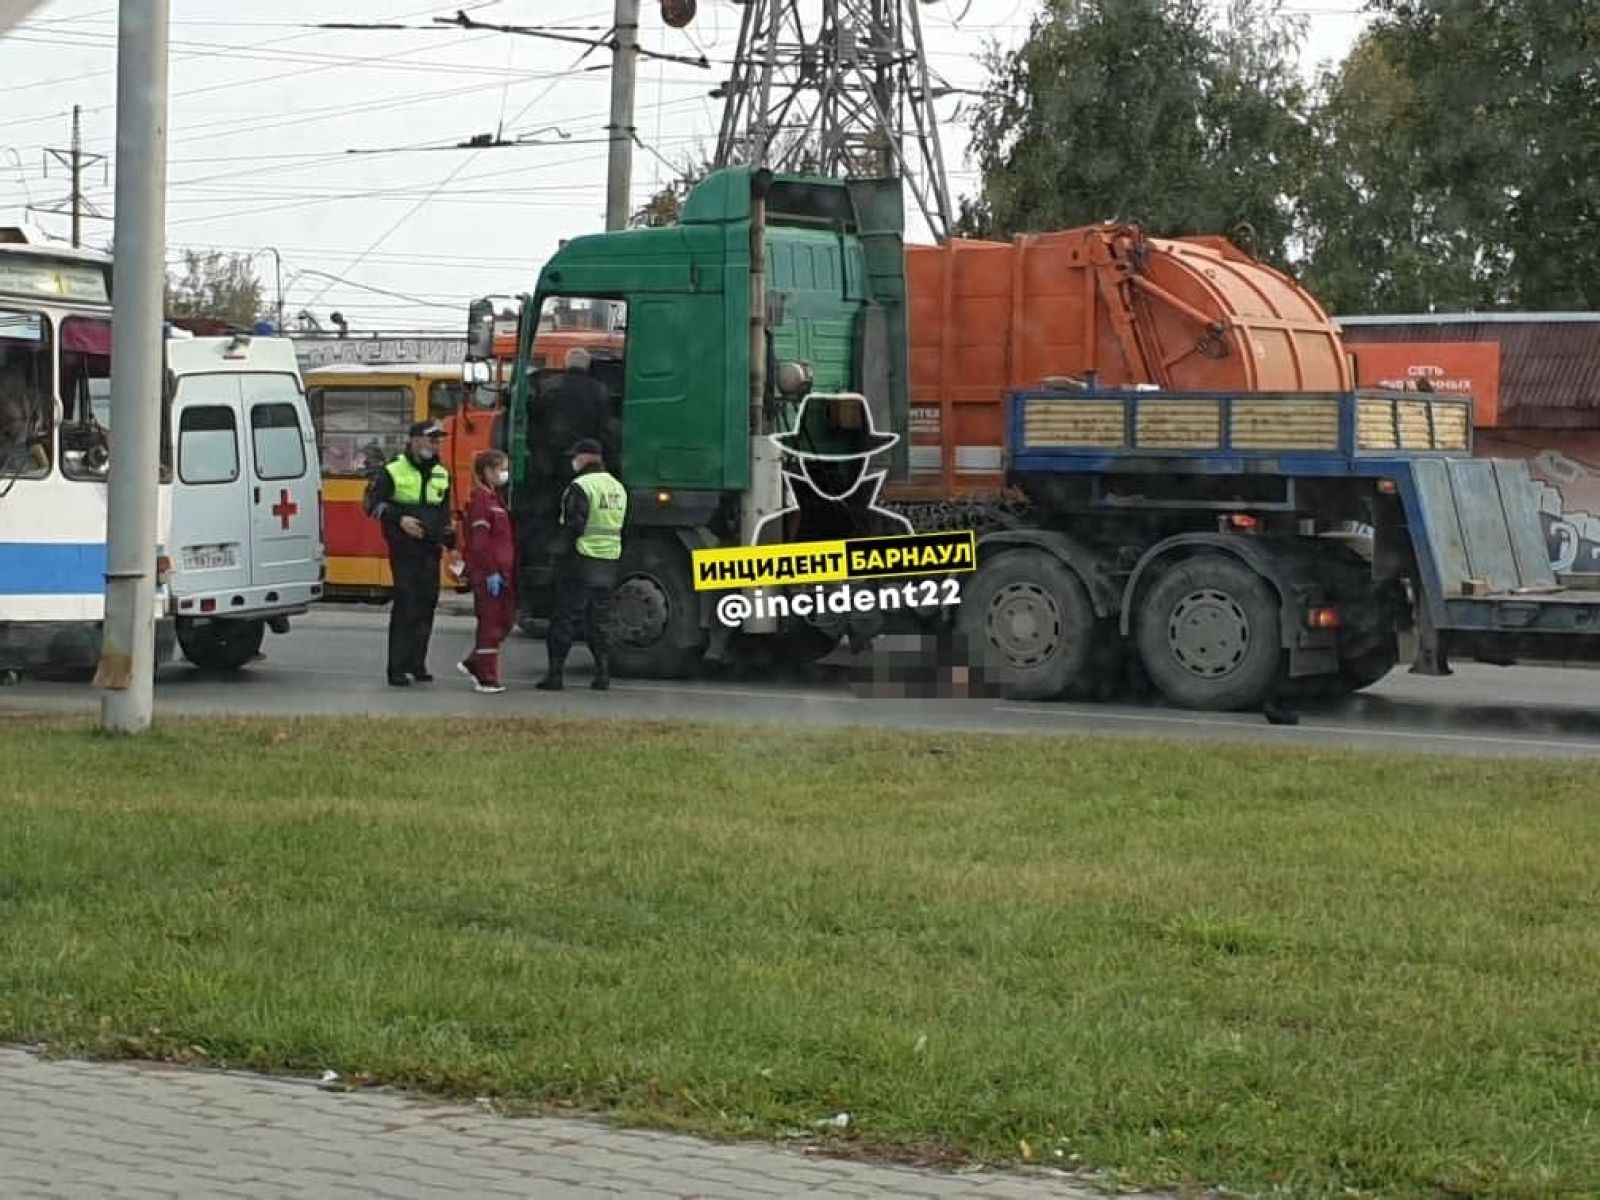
(1299, 970)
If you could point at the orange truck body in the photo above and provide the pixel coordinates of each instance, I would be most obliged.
(1102, 304)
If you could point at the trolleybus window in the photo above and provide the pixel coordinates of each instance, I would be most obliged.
(85, 392)
(86, 425)
(208, 444)
(359, 428)
(26, 396)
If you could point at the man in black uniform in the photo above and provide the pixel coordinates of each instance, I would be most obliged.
(578, 406)
(570, 405)
(410, 497)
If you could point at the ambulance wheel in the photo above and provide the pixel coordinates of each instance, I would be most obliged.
(221, 645)
(1208, 634)
(1027, 627)
(655, 626)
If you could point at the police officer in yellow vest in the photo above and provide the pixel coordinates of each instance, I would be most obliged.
(410, 498)
(593, 510)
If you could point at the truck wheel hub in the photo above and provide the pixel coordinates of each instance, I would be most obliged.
(1024, 624)
(643, 610)
(1209, 633)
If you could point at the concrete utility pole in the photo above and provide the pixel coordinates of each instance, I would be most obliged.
(624, 67)
(127, 655)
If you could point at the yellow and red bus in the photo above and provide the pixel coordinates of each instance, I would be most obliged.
(361, 413)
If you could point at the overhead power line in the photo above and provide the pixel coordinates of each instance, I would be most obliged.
(544, 32)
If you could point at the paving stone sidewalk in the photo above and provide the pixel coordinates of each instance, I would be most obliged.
(71, 1130)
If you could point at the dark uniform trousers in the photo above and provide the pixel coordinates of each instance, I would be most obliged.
(585, 599)
(416, 596)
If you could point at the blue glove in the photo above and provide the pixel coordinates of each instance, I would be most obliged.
(496, 584)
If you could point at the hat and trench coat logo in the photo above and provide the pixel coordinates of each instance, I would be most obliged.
(835, 493)
(834, 532)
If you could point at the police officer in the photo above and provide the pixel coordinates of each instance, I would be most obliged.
(410, 497)
(593, 510)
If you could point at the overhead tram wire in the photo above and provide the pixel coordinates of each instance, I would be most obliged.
(426, 200)
(80, 78)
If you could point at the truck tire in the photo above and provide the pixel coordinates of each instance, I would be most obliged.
(1361, 673)
(221, 645)
(1356, 674)
(655, 629)
(1208, 633)
(1026, 625)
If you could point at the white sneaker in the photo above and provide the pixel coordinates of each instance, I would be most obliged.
(489, 689)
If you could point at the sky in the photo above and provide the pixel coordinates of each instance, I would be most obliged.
(265, 110)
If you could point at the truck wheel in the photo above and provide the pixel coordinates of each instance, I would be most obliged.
(1026, 624)
(221, 645)
(655, 630)
(1208, 634)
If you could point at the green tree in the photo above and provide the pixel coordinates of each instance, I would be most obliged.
(220, 286)
(1461, 152)
(666, 203)
(1145, 110)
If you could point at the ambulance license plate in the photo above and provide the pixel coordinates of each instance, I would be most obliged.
(210, 558)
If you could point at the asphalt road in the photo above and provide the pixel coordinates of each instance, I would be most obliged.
(331, 662)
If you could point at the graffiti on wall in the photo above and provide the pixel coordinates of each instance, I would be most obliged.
(1566, 476)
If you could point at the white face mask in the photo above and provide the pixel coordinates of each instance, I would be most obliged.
(576, 466)
(502, 477)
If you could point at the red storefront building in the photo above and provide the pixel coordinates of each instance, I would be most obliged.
(1535, 383)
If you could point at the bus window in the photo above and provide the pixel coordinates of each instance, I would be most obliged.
(26, 402)
(359, 428)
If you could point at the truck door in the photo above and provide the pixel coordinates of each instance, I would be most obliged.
(211, 497)
(284, 481)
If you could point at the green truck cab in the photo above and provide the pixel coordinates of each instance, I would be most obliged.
(809, 270)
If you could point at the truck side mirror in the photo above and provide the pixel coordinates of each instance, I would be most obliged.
(480, 330)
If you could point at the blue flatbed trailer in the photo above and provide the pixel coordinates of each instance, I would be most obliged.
(1243, 546)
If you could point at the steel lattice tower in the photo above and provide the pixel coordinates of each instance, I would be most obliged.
(837, 88)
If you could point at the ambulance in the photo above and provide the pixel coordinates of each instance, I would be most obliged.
(247, 541)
